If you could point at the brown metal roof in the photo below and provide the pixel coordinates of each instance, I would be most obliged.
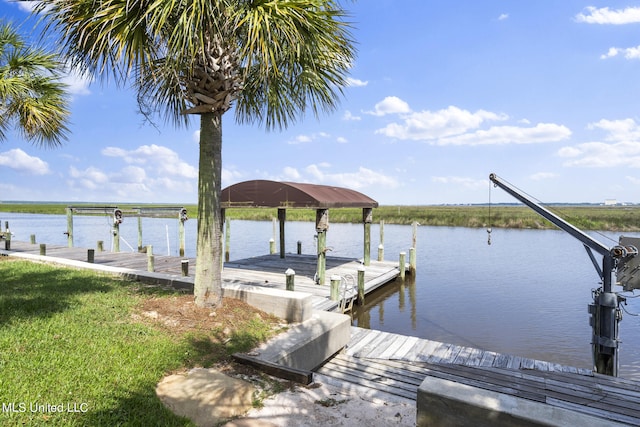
(274, 194)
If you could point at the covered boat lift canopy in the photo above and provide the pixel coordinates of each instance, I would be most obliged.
(284, 195)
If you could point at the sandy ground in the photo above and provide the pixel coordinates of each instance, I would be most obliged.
(323, 404)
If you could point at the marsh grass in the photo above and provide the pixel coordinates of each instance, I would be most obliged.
(587, 217)
(69, 340)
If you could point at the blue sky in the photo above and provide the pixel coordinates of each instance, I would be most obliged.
(544, 93)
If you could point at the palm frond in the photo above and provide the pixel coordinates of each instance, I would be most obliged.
(31, 96)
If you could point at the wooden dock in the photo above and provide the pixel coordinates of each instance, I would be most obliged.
(265, 271)
(396, 365)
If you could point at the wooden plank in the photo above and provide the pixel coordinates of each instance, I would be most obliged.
(352, 350)
(600, 413)
(355, 379)
(441, 351)
(375, 371)
(404, 349)
(451, 354)
(475, 357)
(418, 349)
(373, 344)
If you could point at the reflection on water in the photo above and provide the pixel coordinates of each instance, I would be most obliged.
(526, 294)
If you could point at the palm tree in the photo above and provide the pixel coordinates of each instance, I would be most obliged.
(32, 99)
(273, 60)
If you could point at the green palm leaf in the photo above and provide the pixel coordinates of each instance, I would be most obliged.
(31, 96)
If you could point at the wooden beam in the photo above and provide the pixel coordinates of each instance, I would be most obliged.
(299, 376)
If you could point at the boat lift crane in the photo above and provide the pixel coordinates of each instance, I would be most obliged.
(605, 312)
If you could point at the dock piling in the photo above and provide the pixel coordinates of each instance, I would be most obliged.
(227, 240)
(282, 218)
(150, 258)
(335, 287)
(69, 232)
(381, 245)
(412, 260)
(91, 255)
(402, 265)
(100, 246)
(185, 267)
(33, 239)
(322, 225)
(291, 278)
(43, 249)
(361, 285)
(367, 218)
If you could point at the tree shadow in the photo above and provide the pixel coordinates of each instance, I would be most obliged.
(33, 290)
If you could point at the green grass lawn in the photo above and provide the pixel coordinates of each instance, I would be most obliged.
(73, 353)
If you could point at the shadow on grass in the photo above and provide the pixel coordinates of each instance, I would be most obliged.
(139, 407)
(206, 350)
(31, 290)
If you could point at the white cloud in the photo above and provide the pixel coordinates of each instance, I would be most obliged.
(77, 82)
(356, 82)
(390, 105)
(131, 174)
(22, 162)
(304, 139)
(90, 179)
(621, 147)
(433, 125)
(604, 15)
(503, 17)
(350, 117)
(497, 135)
(364, 177)
(628, 53)
(27, 6)
(230, 176)
(162, 160)
(603, 155)
(618, 130)
(291, 173)
(342, 140)
(129, 183)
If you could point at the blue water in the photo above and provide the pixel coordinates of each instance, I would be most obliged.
(526, 294)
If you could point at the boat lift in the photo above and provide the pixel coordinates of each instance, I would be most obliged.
(605, 312)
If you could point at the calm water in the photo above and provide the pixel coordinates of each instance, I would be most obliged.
(526, 294)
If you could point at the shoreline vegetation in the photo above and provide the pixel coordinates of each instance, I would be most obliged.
(586, 217)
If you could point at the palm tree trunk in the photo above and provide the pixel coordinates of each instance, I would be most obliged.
(208, 280)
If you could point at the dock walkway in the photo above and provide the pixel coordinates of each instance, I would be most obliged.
(376, 364)
(266, 271)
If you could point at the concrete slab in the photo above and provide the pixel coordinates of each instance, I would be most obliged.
(205, 396)
(292, 306)
(447, 403)
(309, 344)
